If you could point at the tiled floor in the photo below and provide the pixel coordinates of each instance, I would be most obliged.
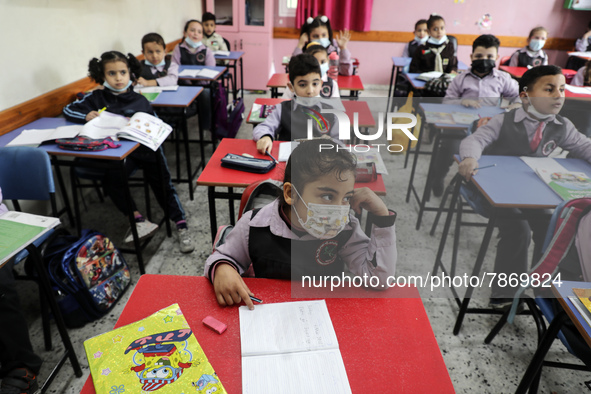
(473, 366)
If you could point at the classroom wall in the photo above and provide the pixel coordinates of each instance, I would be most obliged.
(48, 43)
(509, 18)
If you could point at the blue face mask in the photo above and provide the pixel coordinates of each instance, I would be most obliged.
(536, 45)
(106, 84)
(192, 43)
(325, 42)
(323, 69)
(162, 63)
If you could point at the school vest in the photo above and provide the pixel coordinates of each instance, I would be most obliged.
(412, 47)
(275, 257)
(525, 60)
(326, 89)
(513, 140)
(293, 128)
(147, 73)
(190, 59)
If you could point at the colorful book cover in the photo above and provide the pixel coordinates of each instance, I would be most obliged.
(584, 296)
(159, 353)
(568, 185)
(151, 96)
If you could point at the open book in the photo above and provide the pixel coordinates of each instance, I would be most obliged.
(567, 184)
(201, 73)
(290, 342)
(142, 127)
(19, 229)
(433, 75)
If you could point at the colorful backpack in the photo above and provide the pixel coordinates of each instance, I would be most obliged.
(88, 274)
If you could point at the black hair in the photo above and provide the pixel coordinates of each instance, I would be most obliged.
(153, 37)
(535, 30)
(309, 161)
(302, 64)
(96, 67)
(420, 22)
(486, 41)
(313, 48)
(531, 76)
(208, 16)
(317, 22)
(191, 21)
(432, 19)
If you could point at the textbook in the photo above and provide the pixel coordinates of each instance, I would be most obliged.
(19, 229)
(567, 184)
(582, 302)
(291, 342)
(158, 353)
(202, 73)
(143, 128)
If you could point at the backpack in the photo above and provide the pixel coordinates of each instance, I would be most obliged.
(228, 117)
(89, 275)
(437, 86)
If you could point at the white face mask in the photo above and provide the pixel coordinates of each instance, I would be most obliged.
(323, 69)
(432, 40)
(107, 85)
(534, 112)
(421, 41)
(325, 42)
(162, 63)
(307, 101)
(192, 43)
(323, 221)
(536, 45)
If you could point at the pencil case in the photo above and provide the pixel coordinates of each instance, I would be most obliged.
(247, 164)
(85, 144)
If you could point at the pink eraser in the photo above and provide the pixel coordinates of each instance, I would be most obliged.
(215, 324)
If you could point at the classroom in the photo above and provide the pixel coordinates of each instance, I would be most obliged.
(449, 265)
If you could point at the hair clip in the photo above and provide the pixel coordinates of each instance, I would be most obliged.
(309, 20)
(324, 18)
(434, 14)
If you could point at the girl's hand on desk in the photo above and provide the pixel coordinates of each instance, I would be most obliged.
(467, 166)
(365, 198)
(303, 40)
(91, 115)
(265, 144)
(144, 82)
(343, 38)
(471, 103)
(229, 287)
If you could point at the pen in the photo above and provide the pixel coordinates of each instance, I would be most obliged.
(101, 110)
(480, 168)
(256, 299)
(274, 159)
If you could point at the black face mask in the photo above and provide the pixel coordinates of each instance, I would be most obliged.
(483, 66)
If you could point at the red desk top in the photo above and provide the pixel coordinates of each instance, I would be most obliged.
(387, 344)
(351, 106)
(569, 94)
(517, 72)
(351, 82)
(216, 175)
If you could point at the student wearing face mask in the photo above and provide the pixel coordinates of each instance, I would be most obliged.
(309, 229)
(318, 29)
(421, 36)
(288, 121)
(437, 53)
(329, 88)
(532, 55)
(482, 85)
(534, 130)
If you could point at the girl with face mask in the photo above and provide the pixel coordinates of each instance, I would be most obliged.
(309, 230)
(437, 53)
(532, 55)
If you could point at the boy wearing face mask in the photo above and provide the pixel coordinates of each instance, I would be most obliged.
(421, 36)
(534, 130)
(483, 84)
(288, 121)
(157, 67)
(532, 55)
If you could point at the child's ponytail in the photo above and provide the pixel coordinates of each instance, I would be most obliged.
(135, 67)
(96, 70)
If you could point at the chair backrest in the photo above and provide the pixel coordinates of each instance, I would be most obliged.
(227, 44)
(505, 61)
(259, 194)
(454, 42)
(25, 173)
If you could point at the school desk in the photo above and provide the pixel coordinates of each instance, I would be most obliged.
(387, 344)
(510, 184)
(443, 131)
(517, 72)
(214, 175)
(561, 291)
(581, 55)
(107, 159)
(232, 59)
(352, 83)
(182, 98)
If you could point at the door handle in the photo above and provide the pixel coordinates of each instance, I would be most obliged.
(235, 46)
(241, 44)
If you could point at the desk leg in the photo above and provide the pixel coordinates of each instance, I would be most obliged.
(213, 224)
(62, 186)
(185, 127)
(447, 225)
(390, 88)
(476, 271)
(136, 240)
(78, 221)
(177, 150)
(427, 190)
(241, 79)
(59, 320)
(415, 160)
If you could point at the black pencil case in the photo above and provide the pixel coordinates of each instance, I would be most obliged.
(247, 164)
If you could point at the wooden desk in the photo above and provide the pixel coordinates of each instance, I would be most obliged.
(182, 98)
(387, 344)
(214, 175)
(233, 58)
(351, 82)
(517, 72)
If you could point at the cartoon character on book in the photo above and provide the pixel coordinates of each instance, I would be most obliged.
(208, 384)
(160, 359)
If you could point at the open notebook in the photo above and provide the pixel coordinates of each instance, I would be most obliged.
(291, 342)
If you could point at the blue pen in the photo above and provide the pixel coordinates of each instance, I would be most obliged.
(256, 299)
(480, 168)
(274, 159)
